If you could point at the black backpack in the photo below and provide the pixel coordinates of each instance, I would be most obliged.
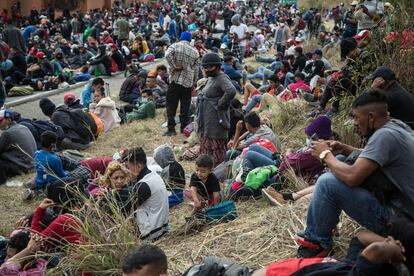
(86, 126)
(37, 127)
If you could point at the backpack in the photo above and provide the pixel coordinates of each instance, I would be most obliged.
(99, 123)
(20, 91)
(87, 128)
(217, 267)
(37, 127)
(223, 212)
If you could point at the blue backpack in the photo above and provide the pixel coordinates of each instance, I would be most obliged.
(225, 211)
(37, 127)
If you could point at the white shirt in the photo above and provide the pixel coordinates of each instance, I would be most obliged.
(241, 33)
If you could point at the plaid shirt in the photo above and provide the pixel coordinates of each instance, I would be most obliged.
(183, 54)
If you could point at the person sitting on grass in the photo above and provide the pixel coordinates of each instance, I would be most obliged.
(149, 195)
(204, 185)
(255, 131)
(172, 173)
(368, 254)
(146, 108)
(19, 261)
(63, 229)
(48, 166)
(303, 163)
(17, 147)
(105, 108)
(86, 95)
(113, 189)
(384, 166)
(147, 259)
(275, 88)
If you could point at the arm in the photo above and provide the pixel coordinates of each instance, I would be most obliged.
(142, 192)
(37, 220)
(196, 197)
(216, 198)
(231, 72)
(229, 93)
(351, 175)
(4, 142)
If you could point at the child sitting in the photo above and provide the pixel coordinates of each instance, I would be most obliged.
(204, 185)
(48, 166)
(145, 110)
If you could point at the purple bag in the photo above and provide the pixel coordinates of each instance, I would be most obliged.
(303, 163)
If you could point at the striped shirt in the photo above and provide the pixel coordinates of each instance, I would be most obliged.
(182, 54)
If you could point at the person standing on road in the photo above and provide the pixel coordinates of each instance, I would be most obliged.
(182, 59)
(213, 114)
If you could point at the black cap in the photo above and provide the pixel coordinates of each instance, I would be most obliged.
(211, 59)
(47, 106)
(382, 72)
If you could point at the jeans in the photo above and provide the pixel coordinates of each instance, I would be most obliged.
(178, 93)
(264, 60)
(243, 52)
(258, 75)
(288, 79)
(252, 103)
(257, 156)
(330, 197)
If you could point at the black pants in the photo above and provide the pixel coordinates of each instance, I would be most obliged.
(7, 170)
(178, 93)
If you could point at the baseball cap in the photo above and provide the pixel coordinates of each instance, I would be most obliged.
(40, 55)
(69, 96)
(382, 72)
(6, 113)
(362, 34)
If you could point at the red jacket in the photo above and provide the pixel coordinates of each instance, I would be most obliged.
(61, 230)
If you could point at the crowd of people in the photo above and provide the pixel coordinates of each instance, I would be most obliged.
(226, 106)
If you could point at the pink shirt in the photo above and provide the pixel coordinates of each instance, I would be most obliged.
(294, 87)
(13, 269)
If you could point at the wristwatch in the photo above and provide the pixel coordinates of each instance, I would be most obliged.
(323, 154)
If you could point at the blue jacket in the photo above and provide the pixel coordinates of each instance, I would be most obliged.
(48, 167)
(173, 31)
(231, 72)
(86, 94)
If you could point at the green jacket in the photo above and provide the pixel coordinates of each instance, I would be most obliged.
(145, 110)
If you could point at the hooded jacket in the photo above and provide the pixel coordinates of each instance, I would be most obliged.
(106, 111)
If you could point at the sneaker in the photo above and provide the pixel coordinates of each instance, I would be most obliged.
(274, 198)
(309, 249)
(28, 194)
(170, 133)
(29, 185)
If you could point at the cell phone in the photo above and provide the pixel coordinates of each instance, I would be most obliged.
(314, 137)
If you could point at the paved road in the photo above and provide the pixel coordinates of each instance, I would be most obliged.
(32, 110)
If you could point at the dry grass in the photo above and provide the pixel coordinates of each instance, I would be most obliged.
(261, 234)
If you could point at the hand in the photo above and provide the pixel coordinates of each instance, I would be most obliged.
(197, 204)
(35, 243)
(239, 126)
(230, 144)
(21, 223)
(378, 82)
(336, 147)
(46, 203)
(318, 148)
